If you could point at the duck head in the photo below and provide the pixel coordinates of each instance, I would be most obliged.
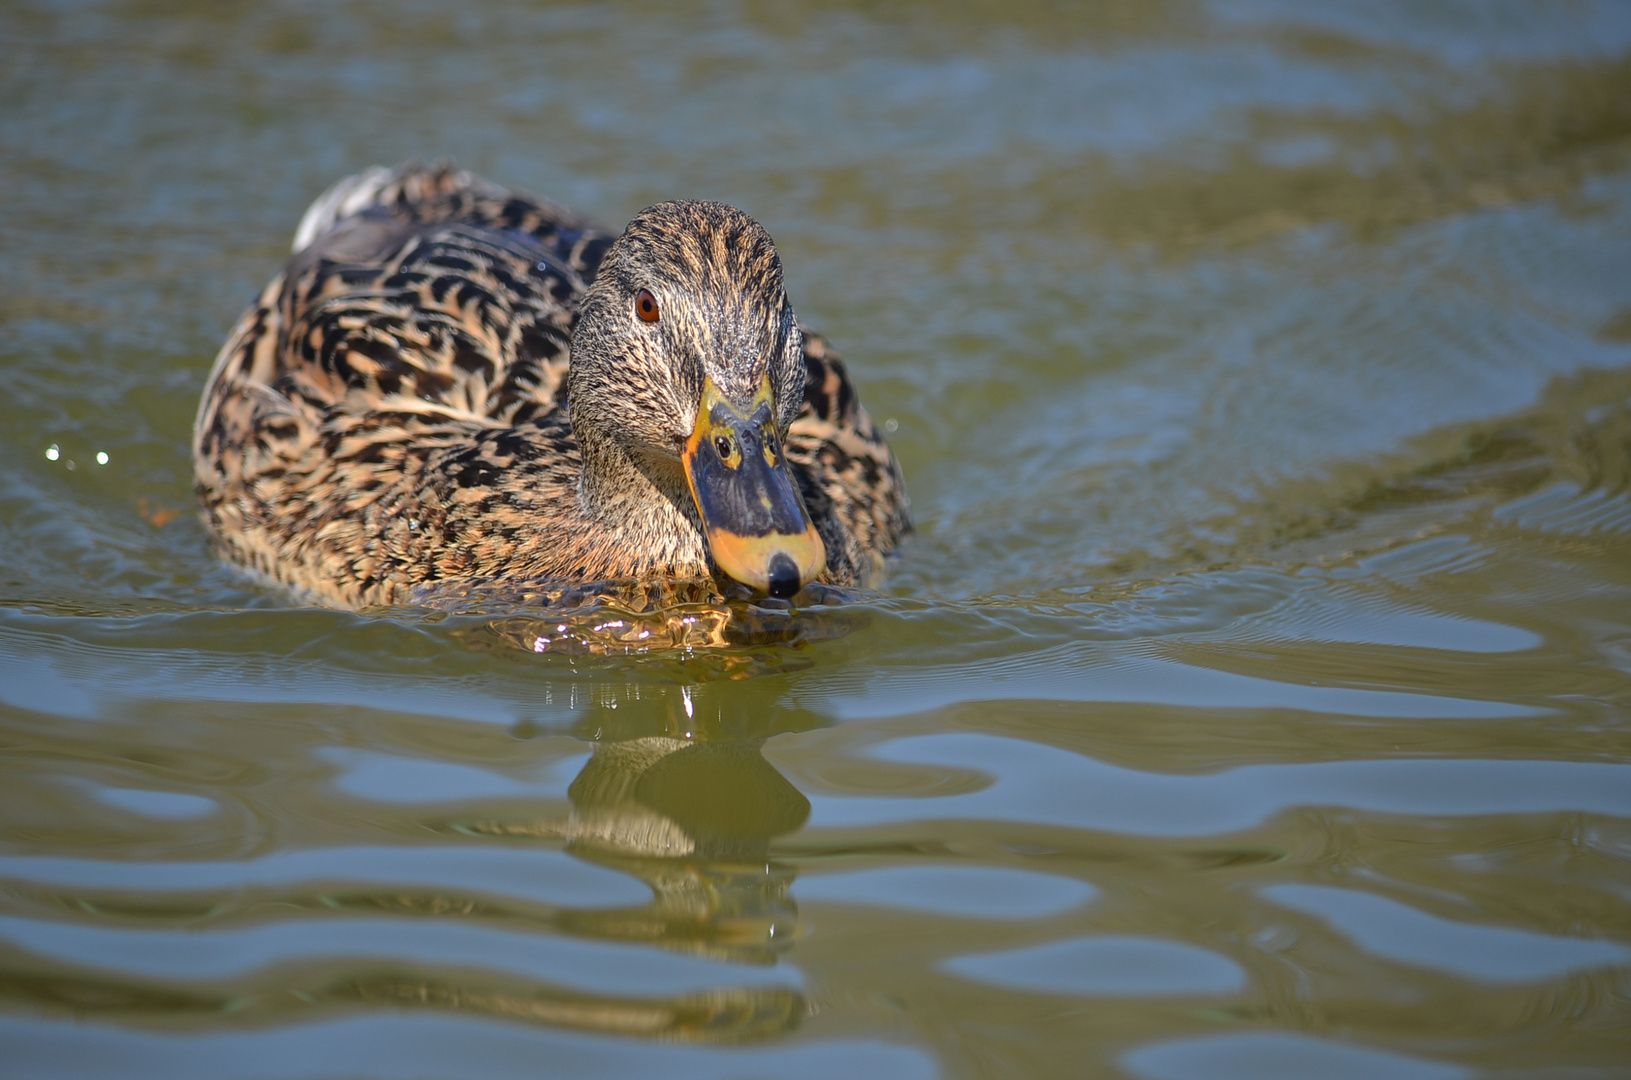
(687, 369)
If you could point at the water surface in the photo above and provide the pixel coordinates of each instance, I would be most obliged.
(1254, 699)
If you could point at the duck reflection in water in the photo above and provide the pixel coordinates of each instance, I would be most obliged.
(692, 817)
(694, 820)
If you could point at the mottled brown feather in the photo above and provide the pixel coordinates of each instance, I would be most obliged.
(389, 419)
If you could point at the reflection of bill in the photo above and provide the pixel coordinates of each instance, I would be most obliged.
(694, 820)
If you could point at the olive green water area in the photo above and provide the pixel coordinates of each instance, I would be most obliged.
(1254, 699)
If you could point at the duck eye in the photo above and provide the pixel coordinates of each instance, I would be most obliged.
(723, 445)
(645, 306)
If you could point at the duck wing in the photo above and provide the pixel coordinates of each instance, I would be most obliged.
(419, 334)
(849, 477)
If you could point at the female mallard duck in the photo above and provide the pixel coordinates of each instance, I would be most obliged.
(452, 385)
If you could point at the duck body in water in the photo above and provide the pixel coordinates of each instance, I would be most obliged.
(452, 387)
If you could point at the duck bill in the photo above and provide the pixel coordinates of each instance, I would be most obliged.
(758, 530)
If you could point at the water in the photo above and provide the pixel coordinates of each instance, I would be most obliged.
(1252, 701)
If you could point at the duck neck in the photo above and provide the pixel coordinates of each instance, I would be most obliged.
(654, 513)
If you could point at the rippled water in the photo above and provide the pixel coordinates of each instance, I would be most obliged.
(1254, 700)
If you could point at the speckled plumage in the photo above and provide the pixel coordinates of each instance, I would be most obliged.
(395, 416)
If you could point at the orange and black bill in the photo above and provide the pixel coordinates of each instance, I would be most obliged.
(758, 530)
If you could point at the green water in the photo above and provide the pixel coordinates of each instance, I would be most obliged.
(1253, 701)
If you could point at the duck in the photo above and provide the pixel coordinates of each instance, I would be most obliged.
(454, 387)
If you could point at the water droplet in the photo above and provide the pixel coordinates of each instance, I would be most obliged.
(891, 425)
(101, 457)
(52, 453)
